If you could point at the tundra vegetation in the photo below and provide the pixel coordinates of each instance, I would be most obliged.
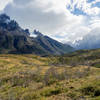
(75, 76)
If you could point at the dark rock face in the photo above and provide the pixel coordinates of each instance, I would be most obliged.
(14, 39)
(52, 46)
(4, 18)
(12, 25)
(37, 33)
(8, 24)
(27, 31)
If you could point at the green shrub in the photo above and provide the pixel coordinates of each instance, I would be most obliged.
(71, 95)
(30, 96)
(97, 92)
(88, 90)
(91, 90)
(97, 65)
(50, 91)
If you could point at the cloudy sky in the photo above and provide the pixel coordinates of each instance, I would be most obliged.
(64, 20)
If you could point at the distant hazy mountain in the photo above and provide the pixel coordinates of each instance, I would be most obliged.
(14, 39)
(90, 41)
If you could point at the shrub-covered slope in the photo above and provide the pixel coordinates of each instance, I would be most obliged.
(30, 77)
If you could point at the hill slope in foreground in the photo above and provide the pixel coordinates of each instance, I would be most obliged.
(69, 77)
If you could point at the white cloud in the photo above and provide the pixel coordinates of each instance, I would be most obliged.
(3, 3)
(33, 15)
(53, 18)
(85, 6)
(90, 41)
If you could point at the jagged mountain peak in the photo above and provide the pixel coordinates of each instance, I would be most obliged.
(37, 32)
(7, 23)
(4, 17)
(14, 39)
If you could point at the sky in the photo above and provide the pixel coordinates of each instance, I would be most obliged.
(64, 20)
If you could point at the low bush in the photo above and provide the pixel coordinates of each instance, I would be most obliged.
(50, 91)
(30, 96)
(91, 90)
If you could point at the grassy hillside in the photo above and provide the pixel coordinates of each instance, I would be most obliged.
(70, 77)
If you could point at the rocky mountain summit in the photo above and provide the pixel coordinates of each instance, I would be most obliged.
(15, 40)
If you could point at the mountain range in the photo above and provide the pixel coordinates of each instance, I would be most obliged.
(89, 41)
(16, 40)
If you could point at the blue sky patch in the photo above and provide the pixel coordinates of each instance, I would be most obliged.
(76, 11)
(96, 5)
(89, 1)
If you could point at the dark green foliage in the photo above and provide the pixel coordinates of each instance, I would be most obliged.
(97, 64)
(71, 95)
(91, 90)
(50, 92)
(97, 92)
